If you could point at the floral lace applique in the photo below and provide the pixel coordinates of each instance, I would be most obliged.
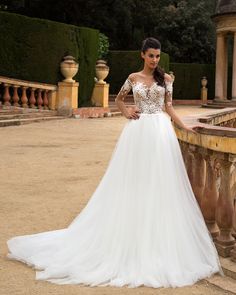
(125, 89)
(149, 100)
(169, 93)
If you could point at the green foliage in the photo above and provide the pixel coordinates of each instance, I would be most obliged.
(103, 46)
(32, 49)
(187, 83)
(123, 63)
(184, 27)
(186, 32)
(88, 49)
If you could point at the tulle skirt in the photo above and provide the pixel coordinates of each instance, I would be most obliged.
(141, 226)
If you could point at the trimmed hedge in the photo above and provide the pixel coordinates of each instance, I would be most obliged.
(123, 63)
(32, 49)
(187, 83)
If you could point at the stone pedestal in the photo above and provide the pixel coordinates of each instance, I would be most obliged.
(67, 97)
(100, 95)
(52, 100)
(204, 91)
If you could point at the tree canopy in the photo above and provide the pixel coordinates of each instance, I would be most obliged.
(183, 27)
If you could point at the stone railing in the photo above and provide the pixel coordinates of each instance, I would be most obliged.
(210, 159)
(20, 93)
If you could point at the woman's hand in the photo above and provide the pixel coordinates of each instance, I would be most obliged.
(192, 128)
(133, 113)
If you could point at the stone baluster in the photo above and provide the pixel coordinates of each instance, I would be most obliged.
(39, 99)
(224, 210)
(210, 194)
(32, 99)
(6, 95)
(233, 252)
(15, 96)
(190, 163)
(234, 219)
(184, 150)
(195, 166)
(198, 172)
(24, 99)
(45, 99)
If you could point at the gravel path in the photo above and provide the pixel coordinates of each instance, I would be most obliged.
(48, 172)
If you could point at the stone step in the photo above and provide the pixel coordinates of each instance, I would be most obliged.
(11, 116)
(229, 267)
(17, 122)
(12, 109)
(219, 105)
(225, 284)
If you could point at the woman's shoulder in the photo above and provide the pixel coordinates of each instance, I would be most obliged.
(168, 78)
(133, 76)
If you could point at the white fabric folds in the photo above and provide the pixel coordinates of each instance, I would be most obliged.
(142, 225)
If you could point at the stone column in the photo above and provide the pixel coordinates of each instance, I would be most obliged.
(234, 71)
(220, 67)
(225, 73)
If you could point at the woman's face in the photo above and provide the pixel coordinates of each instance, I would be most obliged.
(151, 57)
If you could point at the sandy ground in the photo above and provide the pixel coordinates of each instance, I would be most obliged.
(48, 172)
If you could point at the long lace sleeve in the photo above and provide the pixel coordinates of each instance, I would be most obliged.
(125, 89)
(168, 93)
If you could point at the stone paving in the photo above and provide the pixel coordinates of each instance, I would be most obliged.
(48, 172)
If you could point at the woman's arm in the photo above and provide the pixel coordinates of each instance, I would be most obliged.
(125, 89)
(171, 112)
(169, 107)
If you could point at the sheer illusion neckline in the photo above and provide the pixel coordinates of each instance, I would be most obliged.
(144, 84)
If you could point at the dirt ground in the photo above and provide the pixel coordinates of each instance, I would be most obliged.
(48, 172)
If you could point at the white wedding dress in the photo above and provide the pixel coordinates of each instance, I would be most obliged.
(142, 225)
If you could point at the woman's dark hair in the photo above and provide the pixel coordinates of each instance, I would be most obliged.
(158, 73)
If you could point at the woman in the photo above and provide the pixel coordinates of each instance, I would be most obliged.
(142, 225)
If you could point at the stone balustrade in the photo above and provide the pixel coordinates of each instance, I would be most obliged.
(210, 159)
(20, 93)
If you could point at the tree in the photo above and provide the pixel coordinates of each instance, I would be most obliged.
(184, 27)
(187, 32)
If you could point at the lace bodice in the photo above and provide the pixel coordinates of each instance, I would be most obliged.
(151, 99)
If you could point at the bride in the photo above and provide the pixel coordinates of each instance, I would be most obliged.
(142, 225)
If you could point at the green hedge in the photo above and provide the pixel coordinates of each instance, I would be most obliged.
(123, 63)
(188, 80)
(32, 49)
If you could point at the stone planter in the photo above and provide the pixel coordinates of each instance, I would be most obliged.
(102, 71)
(69, 68)
(204, 82)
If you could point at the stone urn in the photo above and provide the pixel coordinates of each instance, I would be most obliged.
(69, 68)
(204, 82)
(102, 71)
